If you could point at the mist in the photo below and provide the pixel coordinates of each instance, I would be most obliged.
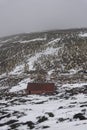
(23, 16)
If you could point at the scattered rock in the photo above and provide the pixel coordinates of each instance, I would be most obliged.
(79, 116)
(7, 115)
(83, 105)
(42, 119)
(30, 124)
(61, 119)
(14, 126)
(45, 127)
(50, 114)
(61, 107)
(8, 122)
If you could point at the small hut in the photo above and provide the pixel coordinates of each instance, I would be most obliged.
(40, 88)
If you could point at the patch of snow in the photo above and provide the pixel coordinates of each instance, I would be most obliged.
(73, 71)
(69, 126)
(54, 41)
(50, 72)
(48, 51)
(23, 127)
(83, 35)
(51, 51)
(6, 127)
(33, 40)
(21, 86)
(2, 75)
(74, 85)
(17, 70)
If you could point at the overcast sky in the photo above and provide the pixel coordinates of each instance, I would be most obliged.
(19, 16)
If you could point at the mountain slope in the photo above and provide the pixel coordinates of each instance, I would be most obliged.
(54, 56)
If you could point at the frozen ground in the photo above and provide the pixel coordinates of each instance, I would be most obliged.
(22, 112)
(66, 109)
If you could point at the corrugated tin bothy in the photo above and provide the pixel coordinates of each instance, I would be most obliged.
(40, 88)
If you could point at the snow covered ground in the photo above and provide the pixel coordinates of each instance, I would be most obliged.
(58, 112)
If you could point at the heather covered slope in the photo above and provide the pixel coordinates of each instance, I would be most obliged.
(54, 56)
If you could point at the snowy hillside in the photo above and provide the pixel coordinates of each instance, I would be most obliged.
(54, 56)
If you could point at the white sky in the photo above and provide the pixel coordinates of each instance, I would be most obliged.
(19, 16)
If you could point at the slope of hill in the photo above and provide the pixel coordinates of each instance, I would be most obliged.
(54, 56)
